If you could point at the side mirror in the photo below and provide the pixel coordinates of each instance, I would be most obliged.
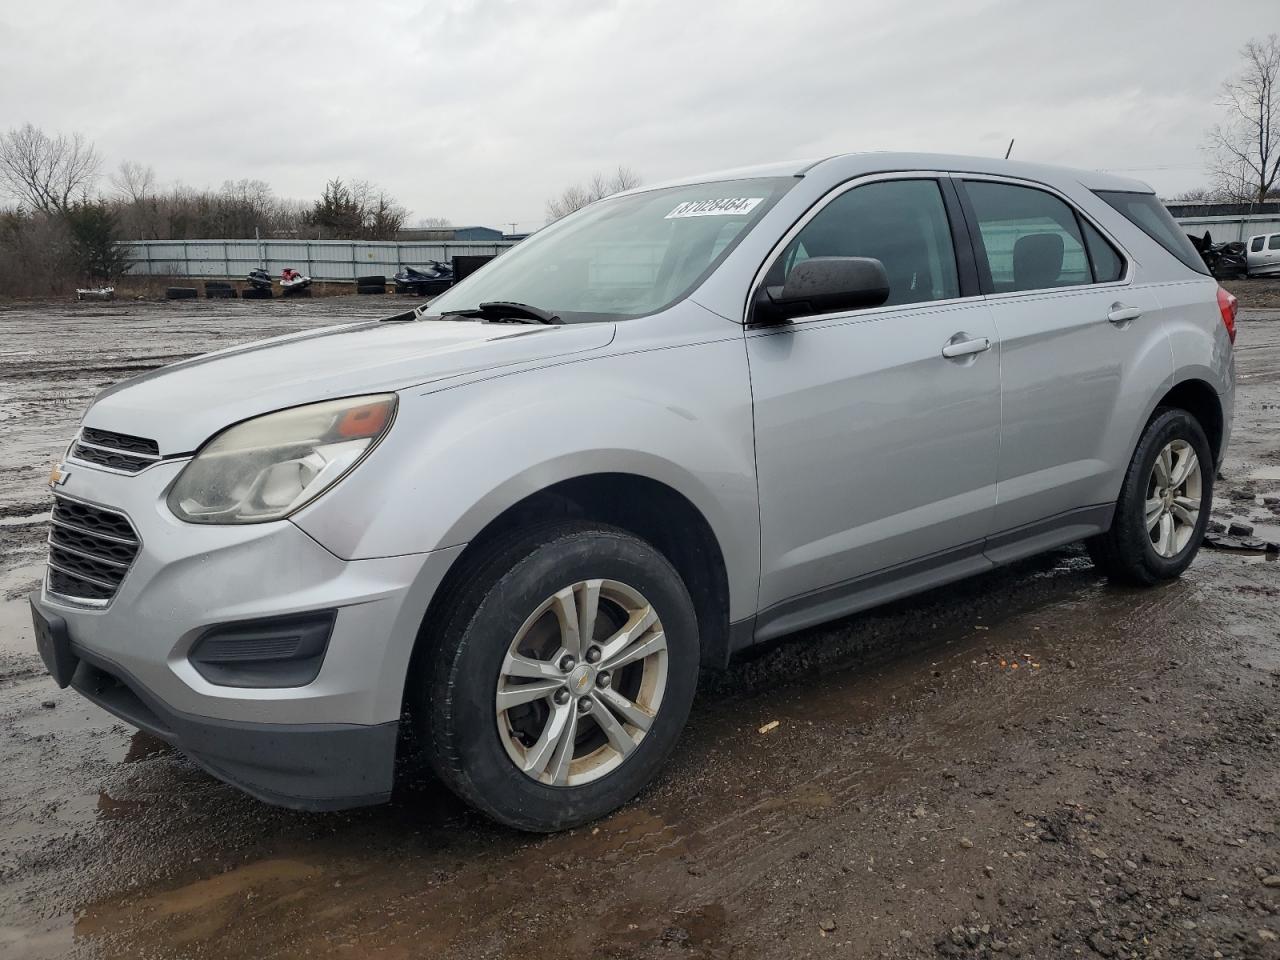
(823, 285)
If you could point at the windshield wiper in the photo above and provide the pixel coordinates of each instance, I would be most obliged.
(500, 310)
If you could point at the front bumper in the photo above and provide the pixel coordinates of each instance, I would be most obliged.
(329, 743)
(307, 766)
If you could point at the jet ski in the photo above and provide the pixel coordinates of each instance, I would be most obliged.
(259, 283)
(433, 278)
(291, 281)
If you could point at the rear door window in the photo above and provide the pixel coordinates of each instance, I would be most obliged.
(1148, 214)
(1031, 238)
(1274, 242)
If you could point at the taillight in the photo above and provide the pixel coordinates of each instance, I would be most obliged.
(1228, 305)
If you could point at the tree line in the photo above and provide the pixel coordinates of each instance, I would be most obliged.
(64, 217)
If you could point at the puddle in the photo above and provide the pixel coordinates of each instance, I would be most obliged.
(29, 519)
(1266, 531)
(16, 632)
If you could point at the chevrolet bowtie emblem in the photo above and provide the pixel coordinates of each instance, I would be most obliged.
(58, 476)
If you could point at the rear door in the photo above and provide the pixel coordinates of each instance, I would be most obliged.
(1075, 332)
(1255, 254)
(1266, 259)
(876, 454)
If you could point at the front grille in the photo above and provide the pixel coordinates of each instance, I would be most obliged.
(90, 550)
(116, 451)
(121, 441)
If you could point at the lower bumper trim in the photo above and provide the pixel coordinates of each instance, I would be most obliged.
(304, 766)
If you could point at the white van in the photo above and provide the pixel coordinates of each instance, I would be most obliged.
(1263, 257)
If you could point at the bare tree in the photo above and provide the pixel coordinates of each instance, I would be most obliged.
(47, 173)
(597, 188)
(1195, 195)
(1245, 147)
(135, 200)
(433, 223)
(384, 216)
(254, 194)
(133, 182)
(381, 215)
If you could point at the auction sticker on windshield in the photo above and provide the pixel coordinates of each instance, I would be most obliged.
(724, 207)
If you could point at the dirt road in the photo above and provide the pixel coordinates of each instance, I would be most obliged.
(1031, 764)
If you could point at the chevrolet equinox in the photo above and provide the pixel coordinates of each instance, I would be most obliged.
(684, 420)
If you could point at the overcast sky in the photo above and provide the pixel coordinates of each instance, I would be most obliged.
(479, 110)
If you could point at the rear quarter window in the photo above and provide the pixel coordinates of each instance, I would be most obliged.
(1108, 266)
(1148, 214)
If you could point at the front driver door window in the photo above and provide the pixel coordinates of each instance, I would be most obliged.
(902, 223)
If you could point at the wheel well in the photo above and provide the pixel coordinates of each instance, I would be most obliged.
(647, 508)
(1201, 401)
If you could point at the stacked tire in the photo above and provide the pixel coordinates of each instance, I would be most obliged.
(181, 293)
(371, 285)
(219, 290)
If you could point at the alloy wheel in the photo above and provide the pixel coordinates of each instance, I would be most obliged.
(1174, 492)
(581, 682)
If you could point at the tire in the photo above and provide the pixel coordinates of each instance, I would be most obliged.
(373, 280)
(180, 293)
(1129, 552)
(473, 745)
(371, 288)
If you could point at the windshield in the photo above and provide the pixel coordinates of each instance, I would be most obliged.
(622, 257)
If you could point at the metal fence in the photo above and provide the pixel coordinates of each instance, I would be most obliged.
(345, 260)
(319, 259)
(1223, 229)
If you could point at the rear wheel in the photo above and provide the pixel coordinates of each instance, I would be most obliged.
(562, 678)
(1164, 504)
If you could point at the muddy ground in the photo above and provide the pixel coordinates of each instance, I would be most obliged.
(1032, 763)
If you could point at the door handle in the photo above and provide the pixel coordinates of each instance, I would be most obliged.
(1122, 314)
(963, 348)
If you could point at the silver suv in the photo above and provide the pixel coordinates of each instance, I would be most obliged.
(682, 421)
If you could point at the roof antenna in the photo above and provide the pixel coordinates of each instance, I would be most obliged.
(1009, 151)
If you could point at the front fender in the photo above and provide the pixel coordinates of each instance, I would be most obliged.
(458, 458)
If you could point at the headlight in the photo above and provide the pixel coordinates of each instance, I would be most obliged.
(270, 466)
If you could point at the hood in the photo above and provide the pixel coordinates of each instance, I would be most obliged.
(182, 405)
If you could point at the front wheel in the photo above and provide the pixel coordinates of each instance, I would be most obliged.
(1164, 504)
(562, 677)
